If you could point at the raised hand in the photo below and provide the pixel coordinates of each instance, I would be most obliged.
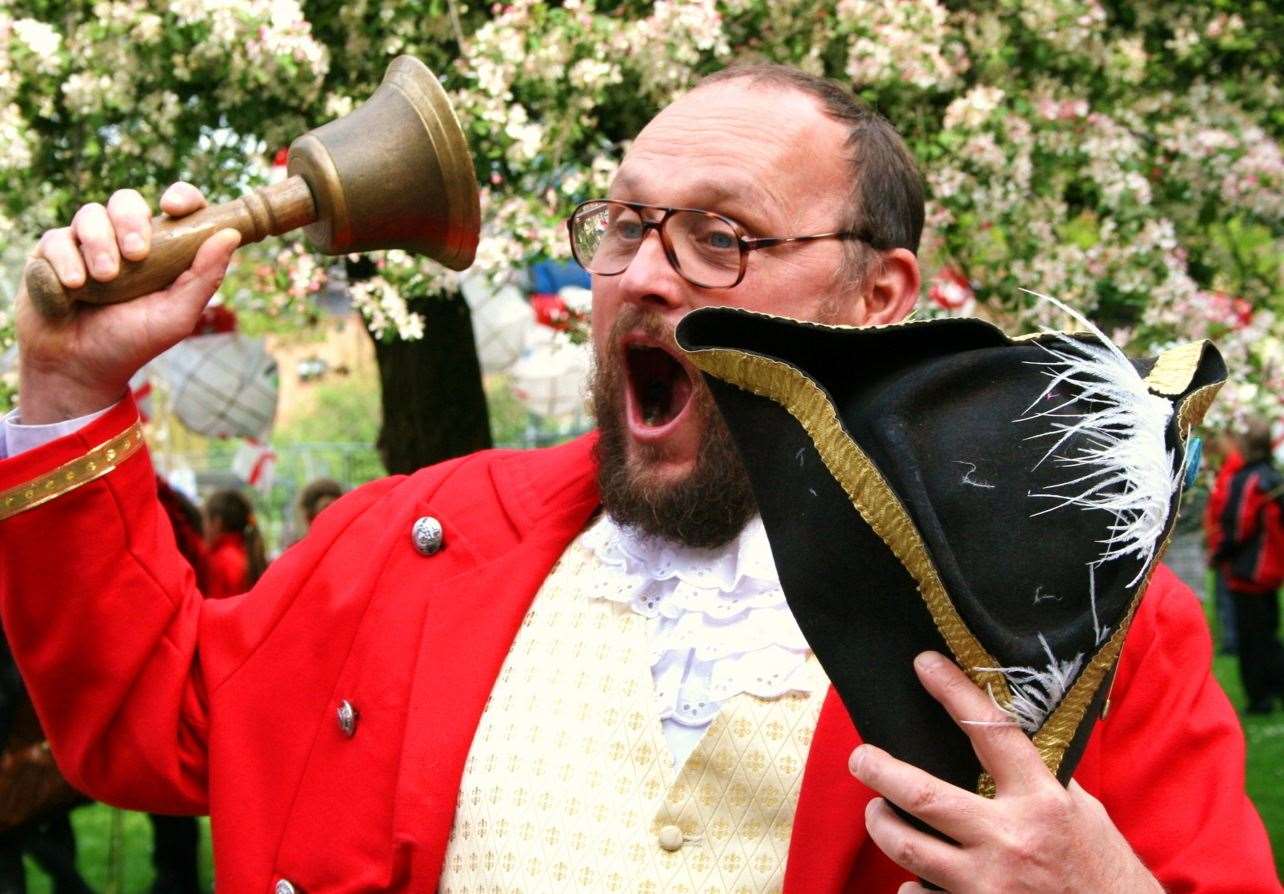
(82, 362)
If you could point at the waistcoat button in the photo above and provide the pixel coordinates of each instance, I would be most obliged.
(671, 838)
(348, 717)
(427, 536)
(283, 886)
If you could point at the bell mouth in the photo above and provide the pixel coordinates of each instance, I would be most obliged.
(659, 389)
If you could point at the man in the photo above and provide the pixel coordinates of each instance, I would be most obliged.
(454, 680)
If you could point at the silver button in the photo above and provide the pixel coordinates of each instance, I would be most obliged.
(348, 717)
(427, 535)
(671, 838)
(283, 886)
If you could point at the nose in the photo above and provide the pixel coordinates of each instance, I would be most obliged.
(650, 279)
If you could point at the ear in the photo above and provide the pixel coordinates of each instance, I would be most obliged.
(893, 290)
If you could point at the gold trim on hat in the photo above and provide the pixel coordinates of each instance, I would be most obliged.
(865, 487)
(1175, 368)
(69, 476)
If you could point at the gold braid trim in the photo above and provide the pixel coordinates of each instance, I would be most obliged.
(1192, 409)
(866, 488)
(69, 476)
(1174, 368)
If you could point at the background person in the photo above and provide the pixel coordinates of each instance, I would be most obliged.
(1232, 461)
(318, 494)
(1250, 556)
(237, 556)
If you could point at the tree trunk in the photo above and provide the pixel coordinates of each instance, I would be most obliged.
(434, 407)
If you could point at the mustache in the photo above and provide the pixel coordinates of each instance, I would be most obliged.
(633, 319)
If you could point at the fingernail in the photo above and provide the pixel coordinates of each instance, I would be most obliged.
(857, 759)
(928, 661)
(103, 265)
(133, 243)
(72, 278)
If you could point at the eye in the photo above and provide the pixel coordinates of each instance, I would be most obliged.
(720, 239)
(626, 228)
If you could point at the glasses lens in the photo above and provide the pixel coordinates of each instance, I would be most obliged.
(707, 248)
(606, 236)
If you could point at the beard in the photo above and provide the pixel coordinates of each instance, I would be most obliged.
(708, 507)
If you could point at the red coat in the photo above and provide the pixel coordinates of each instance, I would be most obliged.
(156, 699)
(229, 566)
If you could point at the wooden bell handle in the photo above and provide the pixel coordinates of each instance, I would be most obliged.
(270, 211)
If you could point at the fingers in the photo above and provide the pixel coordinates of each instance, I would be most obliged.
(92, 230)
(181, 199)
(1002, 747)
(100, 236)
(59, 248)
(132, 221)
(946, 808)
(918, 852)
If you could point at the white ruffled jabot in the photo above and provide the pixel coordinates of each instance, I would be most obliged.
(720, 625)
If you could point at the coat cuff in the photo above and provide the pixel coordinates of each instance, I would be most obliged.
(44, 473)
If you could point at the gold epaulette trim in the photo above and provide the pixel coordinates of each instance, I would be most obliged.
(69, 476)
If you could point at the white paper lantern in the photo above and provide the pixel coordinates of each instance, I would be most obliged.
(501, 320)
(551, 376)
(222, 385)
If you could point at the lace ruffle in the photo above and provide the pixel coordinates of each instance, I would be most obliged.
(720, 625)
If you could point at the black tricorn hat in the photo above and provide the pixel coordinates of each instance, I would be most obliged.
(939, 485)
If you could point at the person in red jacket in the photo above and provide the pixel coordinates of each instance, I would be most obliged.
(326, 719)
(1223, 603)
(236, 558)
(1248, 549)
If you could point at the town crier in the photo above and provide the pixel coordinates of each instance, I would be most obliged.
(569, 669)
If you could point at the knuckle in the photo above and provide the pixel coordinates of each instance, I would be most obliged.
(51, 238)
(906, 853)
(922, 799)
(89, 212)
(1022, 844)
(125, 200)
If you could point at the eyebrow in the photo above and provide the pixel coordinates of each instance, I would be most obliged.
(737, 200)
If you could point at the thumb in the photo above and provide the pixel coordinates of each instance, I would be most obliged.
(195, 287)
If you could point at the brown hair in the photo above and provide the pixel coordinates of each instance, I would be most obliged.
(235, 515)
(886, 198)
(1255, 441)
(314, 493)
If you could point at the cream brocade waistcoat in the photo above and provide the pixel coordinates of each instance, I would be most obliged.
(570, 784)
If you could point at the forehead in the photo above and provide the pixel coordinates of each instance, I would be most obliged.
(762, 154)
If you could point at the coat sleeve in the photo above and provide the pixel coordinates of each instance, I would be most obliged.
(105, 620)
(1172, 756)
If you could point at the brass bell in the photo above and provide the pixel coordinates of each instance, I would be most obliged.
(394, 173)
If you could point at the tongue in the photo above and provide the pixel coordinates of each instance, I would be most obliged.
(660, 385)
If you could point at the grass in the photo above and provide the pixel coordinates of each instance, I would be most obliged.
(1265, 775)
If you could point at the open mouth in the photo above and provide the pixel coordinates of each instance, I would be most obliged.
(660, 387)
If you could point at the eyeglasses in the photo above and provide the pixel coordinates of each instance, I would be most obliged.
(707, 249)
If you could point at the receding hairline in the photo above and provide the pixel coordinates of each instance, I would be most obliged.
(873, 149)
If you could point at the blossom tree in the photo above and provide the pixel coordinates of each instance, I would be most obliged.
(1125, 157)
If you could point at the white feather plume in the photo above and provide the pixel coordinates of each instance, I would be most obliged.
(1036, 693)
(1121, 464)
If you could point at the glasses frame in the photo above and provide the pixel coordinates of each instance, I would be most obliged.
(745, 242)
